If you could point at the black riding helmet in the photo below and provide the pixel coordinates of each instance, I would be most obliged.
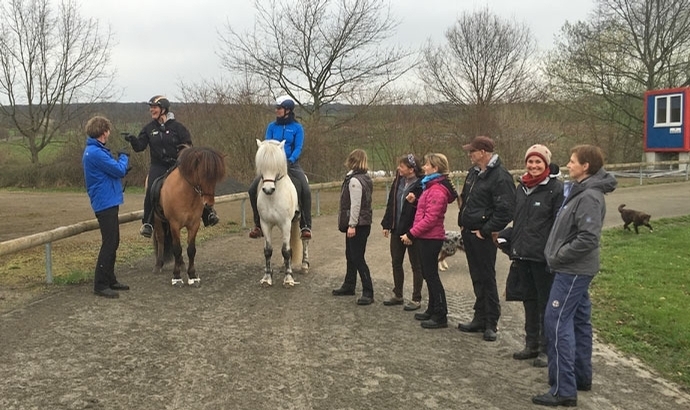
(160, 101)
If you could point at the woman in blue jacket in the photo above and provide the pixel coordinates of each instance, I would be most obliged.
(103, 177)
(286, 128)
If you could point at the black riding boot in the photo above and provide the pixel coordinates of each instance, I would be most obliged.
(209, 216)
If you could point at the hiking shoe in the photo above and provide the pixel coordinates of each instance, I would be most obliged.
(526, 353)
(306, 233)
(471, 327)
(541, 361)
(343, 291)
(412, 305)
(435, 323)
(256, 232)
(550, 400)
(490, 335)
(394, 301)
(146, 230)
(365, 300)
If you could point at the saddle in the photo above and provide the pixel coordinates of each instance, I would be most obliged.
(155, 193)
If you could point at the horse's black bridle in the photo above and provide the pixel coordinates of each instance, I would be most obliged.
(276, 179)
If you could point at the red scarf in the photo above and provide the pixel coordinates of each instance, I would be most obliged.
(530, 182)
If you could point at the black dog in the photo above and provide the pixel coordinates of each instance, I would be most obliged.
(637, 218)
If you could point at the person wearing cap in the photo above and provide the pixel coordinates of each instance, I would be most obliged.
(103, 177)
(537, 200)
(572, 253)
(397, 220)
(286, 128)
(165, 137)
(487, 206)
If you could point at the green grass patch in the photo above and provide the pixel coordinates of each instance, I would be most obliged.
(642, 294)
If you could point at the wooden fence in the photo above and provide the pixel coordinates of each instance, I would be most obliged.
(642, 170)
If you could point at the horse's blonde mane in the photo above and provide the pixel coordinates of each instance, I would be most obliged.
(270, 159)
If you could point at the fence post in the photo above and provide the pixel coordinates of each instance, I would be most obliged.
(640, 174)
(49, 264)
(318, 202)
(244, 213)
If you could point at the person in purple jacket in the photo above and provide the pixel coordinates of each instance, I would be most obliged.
(428, 231)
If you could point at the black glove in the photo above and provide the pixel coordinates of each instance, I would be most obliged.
(123, 151)
(130, 138)
(129, 168)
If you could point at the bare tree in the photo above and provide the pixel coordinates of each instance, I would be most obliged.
(52, 64)
(318, 51)
(601, 67)
(486, 60)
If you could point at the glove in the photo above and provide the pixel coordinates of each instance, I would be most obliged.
(130, 138)
(123, 151)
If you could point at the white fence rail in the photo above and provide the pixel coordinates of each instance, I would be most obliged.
(640, 170)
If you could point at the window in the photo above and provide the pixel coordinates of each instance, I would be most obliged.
(669, 110)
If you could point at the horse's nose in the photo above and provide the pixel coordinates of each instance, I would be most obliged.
(268, 191)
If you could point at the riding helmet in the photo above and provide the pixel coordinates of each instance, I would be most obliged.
(160, 101)
(285, 102)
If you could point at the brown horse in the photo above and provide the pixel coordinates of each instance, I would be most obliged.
(182, 197)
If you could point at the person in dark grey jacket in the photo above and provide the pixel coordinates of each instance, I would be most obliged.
(538, 198)
(487, 206)
(572, 253)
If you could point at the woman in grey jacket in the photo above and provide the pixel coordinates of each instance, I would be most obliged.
(572, 253)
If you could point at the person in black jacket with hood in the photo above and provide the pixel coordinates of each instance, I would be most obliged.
(538, 198)
(488, 205)
(164, 137)
(400, 211)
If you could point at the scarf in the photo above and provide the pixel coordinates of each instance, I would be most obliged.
(429, 178)
(530, 182)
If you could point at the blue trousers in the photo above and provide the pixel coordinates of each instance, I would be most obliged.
(568, 327)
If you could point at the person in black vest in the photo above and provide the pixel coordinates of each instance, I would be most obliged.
(488, 205)
(354, 219)
(538, 198)
(399, 215)
(165, 137)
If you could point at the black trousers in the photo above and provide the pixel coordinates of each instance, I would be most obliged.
(398, 250)
(303, 195)
(429, 249)
(155, 171)
(481, 260)
(535, 286)
(355, 249)
(109, 225)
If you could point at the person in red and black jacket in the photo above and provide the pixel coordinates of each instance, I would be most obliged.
(429, 232)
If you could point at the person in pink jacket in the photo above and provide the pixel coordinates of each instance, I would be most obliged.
(428, 231)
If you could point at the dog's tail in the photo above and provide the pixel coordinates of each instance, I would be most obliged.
(620, 207)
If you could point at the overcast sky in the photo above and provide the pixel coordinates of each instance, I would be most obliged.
(161, 44)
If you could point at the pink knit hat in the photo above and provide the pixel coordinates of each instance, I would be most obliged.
(541, 151)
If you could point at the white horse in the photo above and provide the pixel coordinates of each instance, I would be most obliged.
(278, 206)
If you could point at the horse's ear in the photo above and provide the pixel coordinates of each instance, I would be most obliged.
(282, 144)
(258, 142)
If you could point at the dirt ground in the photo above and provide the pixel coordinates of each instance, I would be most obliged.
(231, 344)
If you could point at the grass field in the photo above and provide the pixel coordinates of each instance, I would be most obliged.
(642, 293)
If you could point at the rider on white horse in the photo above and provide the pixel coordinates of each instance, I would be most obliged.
(286, 128)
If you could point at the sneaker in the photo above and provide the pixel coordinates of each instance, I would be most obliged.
(146, 230)
(412, 305)
(256, 232)
(393, 301)
(306, 233)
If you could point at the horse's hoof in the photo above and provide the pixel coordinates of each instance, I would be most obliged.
(177, 283)
(305, 267)
(196, 282)
(289, 282)
(266, 282)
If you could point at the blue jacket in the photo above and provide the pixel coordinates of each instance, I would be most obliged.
(103, 175)
(293, 135)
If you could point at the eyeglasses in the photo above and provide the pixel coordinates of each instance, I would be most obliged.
(410, 159)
